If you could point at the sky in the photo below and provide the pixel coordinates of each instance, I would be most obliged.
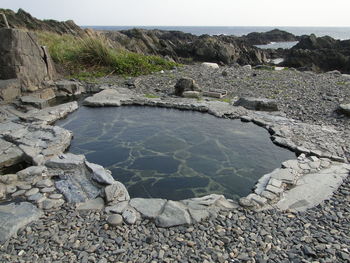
(189, 12)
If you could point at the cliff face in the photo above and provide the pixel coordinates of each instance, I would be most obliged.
(23, 20)
(184, 47)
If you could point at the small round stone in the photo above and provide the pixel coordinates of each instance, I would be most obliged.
(18, 193)
(115, 220)
(32, 191)
(25, 186)
(10, 189)
(56, 196)
(47, 189)
(44, 183)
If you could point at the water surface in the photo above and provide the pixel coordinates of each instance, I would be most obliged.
(174, 154)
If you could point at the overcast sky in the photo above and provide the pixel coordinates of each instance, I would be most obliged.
(190, 12)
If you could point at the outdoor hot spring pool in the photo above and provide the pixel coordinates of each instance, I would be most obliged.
(173, 154)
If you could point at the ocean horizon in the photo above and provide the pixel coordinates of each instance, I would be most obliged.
(341, 33)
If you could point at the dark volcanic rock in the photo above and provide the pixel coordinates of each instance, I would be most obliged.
(320, 54)
(184, 47)
(185, 84)
(24, 20)
(264, 38)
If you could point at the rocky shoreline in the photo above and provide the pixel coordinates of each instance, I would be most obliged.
(58, 207)
(243, 234)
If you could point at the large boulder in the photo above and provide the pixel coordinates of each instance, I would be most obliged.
(185, 84)
(21, 57)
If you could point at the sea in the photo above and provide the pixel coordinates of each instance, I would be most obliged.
(341, 33)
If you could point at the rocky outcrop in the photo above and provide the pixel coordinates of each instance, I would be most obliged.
(23, 20)
(275, 35)
(184, 47)
(320, 54)
(22, 60)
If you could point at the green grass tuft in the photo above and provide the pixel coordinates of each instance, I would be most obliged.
(151, 96)
(92, 57)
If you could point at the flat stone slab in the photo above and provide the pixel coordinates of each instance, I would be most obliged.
(149, 208)
(314, 188)
(15, 216)
(174, 214)
(52, 114)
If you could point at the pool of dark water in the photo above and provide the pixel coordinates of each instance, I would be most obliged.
(174, 154)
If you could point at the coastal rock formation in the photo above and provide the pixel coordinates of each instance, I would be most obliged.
(263, 38)
(23, 20)
(22, 59)
(184, 47)
(320, 54)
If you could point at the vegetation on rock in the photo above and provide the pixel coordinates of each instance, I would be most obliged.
(93, 56)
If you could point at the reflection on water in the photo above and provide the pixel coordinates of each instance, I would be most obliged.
(174, 154)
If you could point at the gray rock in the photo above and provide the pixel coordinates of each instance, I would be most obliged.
(149, 208)
(23, 58)
(24, 186)
(92, 204)
(10, 189)
(283, 175)
(47, 189)
(34, 101)
(192, 94)
(10, 154)
(67, 87)
(210, 65)
(130, 215)
(35, 197)
(198, 215)
(258, 104)
(174, 214)
(55, 196)
(115, 220)
(75, 178)
(8, 178)
(10, 89)
(32, 171)
(116, 192)
(51, 203)
(2, 191)
(117, 208)
(345, 108)
(32, 191)
(15, 216)
(18, 193)
(46, 183)
(247, 67)
(100, 174)
(185, 84)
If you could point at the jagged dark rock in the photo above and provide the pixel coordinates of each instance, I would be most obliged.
(24, 20)
(185, 47)
(275, 35)
(320, 54)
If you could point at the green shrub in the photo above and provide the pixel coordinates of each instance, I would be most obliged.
(95, 54)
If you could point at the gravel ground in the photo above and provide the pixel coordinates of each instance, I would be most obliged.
(319, 235)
